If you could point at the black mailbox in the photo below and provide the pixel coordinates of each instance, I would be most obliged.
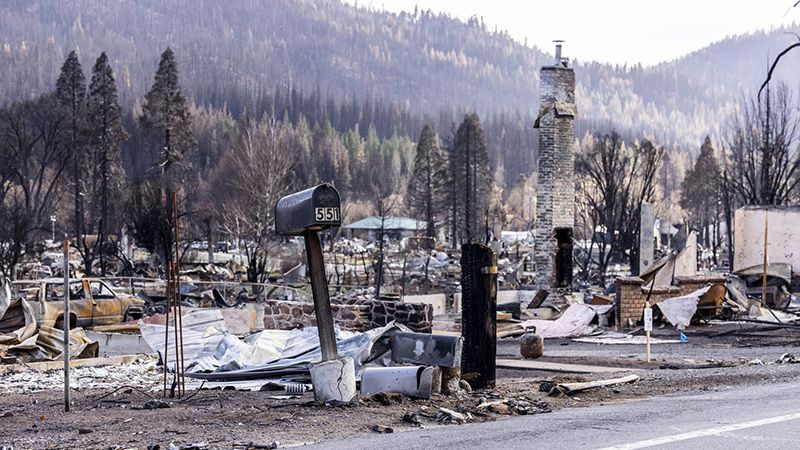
(314, 209)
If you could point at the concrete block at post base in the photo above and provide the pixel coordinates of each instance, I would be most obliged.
(334, 380)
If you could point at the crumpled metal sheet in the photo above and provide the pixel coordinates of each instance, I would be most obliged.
(679, 310)
(5, 295)
(573, 322)
(754, 274)
(48, 345)
(203, 330)
(229, 362)
(17, 321)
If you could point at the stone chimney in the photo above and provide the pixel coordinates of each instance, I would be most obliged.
(555, 192)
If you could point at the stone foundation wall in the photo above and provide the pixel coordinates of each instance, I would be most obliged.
(360, 315)
(285, 315)
(631, 295)
(417, 316)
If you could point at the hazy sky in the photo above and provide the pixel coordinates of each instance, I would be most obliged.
(617, 31)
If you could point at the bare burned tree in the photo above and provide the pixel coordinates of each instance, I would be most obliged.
(777, 59)
(34, 161)
(384, 204)
(253, 175)
(762, 159)
(614, 180)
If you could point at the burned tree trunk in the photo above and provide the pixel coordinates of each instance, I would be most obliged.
(479, 313)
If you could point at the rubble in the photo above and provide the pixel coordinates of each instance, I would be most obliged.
(143, 373)
(448, 415)
(403, 372)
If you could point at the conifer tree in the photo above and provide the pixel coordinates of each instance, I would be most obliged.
(473, 177)
(700, 192)
(166, 114)
(71, 96)
(426, 187)
(166, 111)
(106, 135)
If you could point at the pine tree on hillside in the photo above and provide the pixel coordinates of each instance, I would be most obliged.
(473, 176)
(701, 195)
(166, 111)
(426, 187)
(106, 136)
(71, 95)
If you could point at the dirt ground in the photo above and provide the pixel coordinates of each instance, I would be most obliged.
(228, 419)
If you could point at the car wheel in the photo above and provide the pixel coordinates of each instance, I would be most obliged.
(60, 323)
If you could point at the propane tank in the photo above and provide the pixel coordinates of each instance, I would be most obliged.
(531, 345)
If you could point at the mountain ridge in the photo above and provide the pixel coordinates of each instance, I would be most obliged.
(232, 54)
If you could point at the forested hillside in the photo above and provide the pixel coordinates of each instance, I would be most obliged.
(235, 54)
(111, 112)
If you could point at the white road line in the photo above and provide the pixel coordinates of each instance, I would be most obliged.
(704, 433)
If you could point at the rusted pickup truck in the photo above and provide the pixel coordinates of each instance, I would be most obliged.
(92, 302)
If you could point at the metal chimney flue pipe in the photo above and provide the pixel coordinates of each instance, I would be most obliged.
(559, 59)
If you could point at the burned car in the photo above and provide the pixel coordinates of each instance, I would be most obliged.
(92, 302)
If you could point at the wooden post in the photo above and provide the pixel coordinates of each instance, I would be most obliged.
(648, 326)
(322, 302)
(479, 313)
(65, 321)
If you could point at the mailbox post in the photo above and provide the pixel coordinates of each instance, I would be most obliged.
(319, 290)
(306, 213)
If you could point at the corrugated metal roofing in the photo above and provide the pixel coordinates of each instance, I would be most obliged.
(390, 223)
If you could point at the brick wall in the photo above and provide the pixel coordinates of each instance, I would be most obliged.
(631, 295)
(555, 191)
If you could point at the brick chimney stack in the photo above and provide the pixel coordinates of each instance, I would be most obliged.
(555, 192)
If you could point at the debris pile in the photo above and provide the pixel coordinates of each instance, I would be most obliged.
(142, 373)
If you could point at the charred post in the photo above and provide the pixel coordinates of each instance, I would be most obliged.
(479, 313)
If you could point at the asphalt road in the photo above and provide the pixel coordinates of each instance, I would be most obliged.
(751, 417)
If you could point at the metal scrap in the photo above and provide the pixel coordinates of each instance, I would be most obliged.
(414, 381)
(427, 349)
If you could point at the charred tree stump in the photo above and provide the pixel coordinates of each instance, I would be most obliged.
(479, 314)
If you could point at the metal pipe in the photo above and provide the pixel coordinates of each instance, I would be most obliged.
(65, 322)
(179, 317)
(176, 312)
(166, 329)
(319, 289)
(179, 328)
